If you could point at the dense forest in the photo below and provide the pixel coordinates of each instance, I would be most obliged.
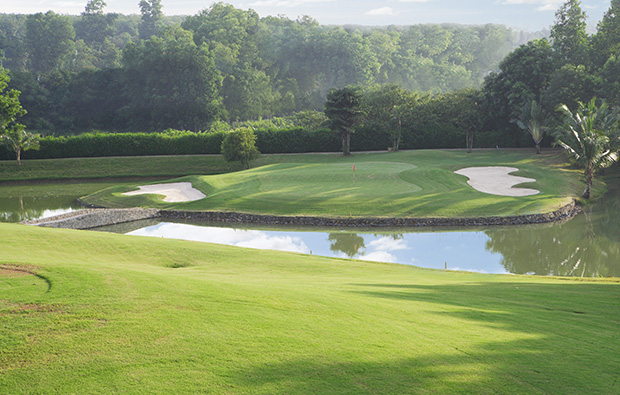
(423, 86)
(149, 72)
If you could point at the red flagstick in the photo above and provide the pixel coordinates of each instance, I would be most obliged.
(354, 167)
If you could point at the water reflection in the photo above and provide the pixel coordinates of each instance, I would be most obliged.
(586, 246)
(229, 236)
(23, 208)
(33, 200)
(459, 250)
(347, 243)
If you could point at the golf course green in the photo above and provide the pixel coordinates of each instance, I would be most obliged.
(403, 184)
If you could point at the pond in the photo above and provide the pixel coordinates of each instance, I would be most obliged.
(586, 246)
(31, 200)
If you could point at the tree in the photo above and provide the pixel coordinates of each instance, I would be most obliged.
(94, 7)
(13, 53)
(19, 140)
(343, 108)
(588, 137)
(171, 83)
(606, 41)
(523, 75)
(569, 85)
(151, 17)
(94, 26)
(387, 109)
(13, 134)
(234, 38)
(397, 113)
(532, 120)
(10, 107)
(50, 41)
(240, 145)
(468, 117)
(570, 39)
(610, 81)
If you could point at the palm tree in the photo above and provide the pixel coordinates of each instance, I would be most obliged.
(588, 137)
(18, 140)
(532, 120)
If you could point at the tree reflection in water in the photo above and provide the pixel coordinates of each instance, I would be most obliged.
(26, 208)
(348, 243)
(352, 244)
(586, 246)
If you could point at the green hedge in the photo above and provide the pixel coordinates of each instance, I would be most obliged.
(296, 140)
(430, 134)
(174, 143)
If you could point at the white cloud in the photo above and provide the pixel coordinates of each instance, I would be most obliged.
(459, 269)
(286, 3)
(381, 11)
(544, 5)
(68, 4)
(379, 256)
(280, 243)
(240, 238)
(388, 244)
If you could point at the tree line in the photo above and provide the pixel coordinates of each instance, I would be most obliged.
(149, 72)
(225, 64)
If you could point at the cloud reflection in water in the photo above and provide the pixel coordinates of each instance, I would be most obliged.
(235, 237)
(457, 250)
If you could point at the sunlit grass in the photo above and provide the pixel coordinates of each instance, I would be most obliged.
(118, 314)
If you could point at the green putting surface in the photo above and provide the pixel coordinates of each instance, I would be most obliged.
(404, 184)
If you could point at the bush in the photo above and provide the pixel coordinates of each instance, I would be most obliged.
(240, 145)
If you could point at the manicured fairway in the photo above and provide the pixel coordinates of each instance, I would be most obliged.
(84, 312)
(407, 184)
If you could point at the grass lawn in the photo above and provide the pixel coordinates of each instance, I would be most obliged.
(85, 312)
(134, 166)
(404, 184)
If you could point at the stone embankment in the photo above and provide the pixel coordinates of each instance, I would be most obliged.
(93, 218)
(562, 213)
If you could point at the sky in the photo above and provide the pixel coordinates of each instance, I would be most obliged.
(529, 15)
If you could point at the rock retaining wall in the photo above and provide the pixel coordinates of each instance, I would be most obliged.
(93, 218)
(562, 213)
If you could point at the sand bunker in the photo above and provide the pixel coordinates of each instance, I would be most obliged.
(175, 192)
(496, 180)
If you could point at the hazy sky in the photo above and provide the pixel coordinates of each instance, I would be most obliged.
(525, 14)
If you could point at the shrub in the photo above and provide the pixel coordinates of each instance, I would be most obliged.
(240, 145)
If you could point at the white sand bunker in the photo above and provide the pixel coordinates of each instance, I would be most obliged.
(174, 192)
(496, 180)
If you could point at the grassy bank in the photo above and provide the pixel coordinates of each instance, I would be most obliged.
(83, 312)
(116, 167)
(408, 184)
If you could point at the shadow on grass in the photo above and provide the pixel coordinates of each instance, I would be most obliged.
(542, 338)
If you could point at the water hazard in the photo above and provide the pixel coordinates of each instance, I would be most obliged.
(586, 246)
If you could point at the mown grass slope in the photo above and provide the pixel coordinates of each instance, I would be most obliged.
(114, 167)
(84, 312)
(403, 184)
